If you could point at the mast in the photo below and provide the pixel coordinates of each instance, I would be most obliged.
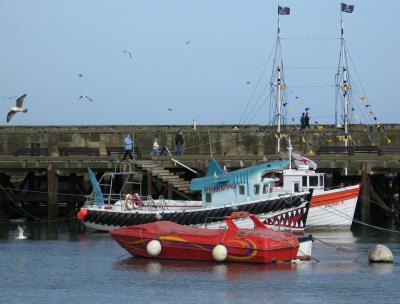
(278, 82)
(343, 80)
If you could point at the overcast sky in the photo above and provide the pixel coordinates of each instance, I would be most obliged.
(200, 59)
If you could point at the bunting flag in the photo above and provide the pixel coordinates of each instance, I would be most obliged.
(283, 10)
(347, 8)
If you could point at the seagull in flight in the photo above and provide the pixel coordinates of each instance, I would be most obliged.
(170, 109)
(21, 235)
(187, 42)
(129, 53)
(18, 108)
(87, 97)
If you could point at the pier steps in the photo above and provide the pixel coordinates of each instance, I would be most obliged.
(163, 174)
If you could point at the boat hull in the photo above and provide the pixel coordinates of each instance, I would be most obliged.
(174, 241)
(107, 219)
(178, 250)
(333, 208)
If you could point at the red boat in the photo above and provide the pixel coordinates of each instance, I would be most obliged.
(168, 240)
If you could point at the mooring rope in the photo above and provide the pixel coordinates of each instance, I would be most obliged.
(42, 192)
(343, 215)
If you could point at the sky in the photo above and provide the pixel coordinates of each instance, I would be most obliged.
(200, 59)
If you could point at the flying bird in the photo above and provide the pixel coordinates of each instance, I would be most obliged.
(21, 235)
(187, 42)
(80, 75)
(129, 53)
(87, 97)
(18, 108)
(248, 82)
(170, 109)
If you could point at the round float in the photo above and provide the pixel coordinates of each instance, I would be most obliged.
(153, 248)
(380, 254)
(219, 253)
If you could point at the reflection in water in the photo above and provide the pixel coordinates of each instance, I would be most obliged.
(226, 270)
(382, 268)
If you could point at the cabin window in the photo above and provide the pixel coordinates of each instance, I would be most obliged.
(321, 180)
(313, 181)
(241, 189)
(265, 188)
(256, 189)
(296, 187)
(208, 197)
(304, 181)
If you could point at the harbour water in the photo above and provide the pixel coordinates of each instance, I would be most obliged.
(59, 263)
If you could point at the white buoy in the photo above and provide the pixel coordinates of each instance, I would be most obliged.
(219, 253)
(380, 254)
(153, 248)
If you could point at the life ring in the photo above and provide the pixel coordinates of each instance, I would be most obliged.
(136, 201)
(132, 200)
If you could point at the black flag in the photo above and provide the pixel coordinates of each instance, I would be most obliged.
(283, 10)
(347, 8)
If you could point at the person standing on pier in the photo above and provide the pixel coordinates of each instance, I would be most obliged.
(179, 141)
(307, 121)
(128, 144)
(156, 148)
(302, 121)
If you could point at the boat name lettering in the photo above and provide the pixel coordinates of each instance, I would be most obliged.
(220, 188)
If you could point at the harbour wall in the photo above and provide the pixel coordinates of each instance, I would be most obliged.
(32, 159)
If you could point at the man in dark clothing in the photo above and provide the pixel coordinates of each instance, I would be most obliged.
(307, 121)
(302, 121)
(179, 143)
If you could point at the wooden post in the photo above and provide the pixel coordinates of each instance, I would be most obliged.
(149, 183)
(169, 189)
(365, 200)
(52, 189)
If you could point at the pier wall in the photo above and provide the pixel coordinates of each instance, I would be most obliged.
(231, 145)
(228, 142)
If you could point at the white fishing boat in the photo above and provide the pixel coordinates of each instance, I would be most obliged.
(330, 208)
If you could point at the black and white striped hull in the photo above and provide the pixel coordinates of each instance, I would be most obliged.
(273, 208)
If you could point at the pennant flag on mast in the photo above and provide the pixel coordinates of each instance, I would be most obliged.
(347, 8)
(283, 10)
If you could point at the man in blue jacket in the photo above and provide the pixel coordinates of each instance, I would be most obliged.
(128, 144)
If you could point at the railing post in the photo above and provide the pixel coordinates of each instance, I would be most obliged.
(52, 189)
(365, 200)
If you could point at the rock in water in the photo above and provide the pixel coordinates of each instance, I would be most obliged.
(380, 254)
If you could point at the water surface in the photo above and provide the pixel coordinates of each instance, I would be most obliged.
(61, 264)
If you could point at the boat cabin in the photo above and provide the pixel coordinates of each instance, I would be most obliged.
(297, 180)
(220, 188)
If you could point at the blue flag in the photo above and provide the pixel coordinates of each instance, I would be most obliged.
(347, 8)
(283, 10)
